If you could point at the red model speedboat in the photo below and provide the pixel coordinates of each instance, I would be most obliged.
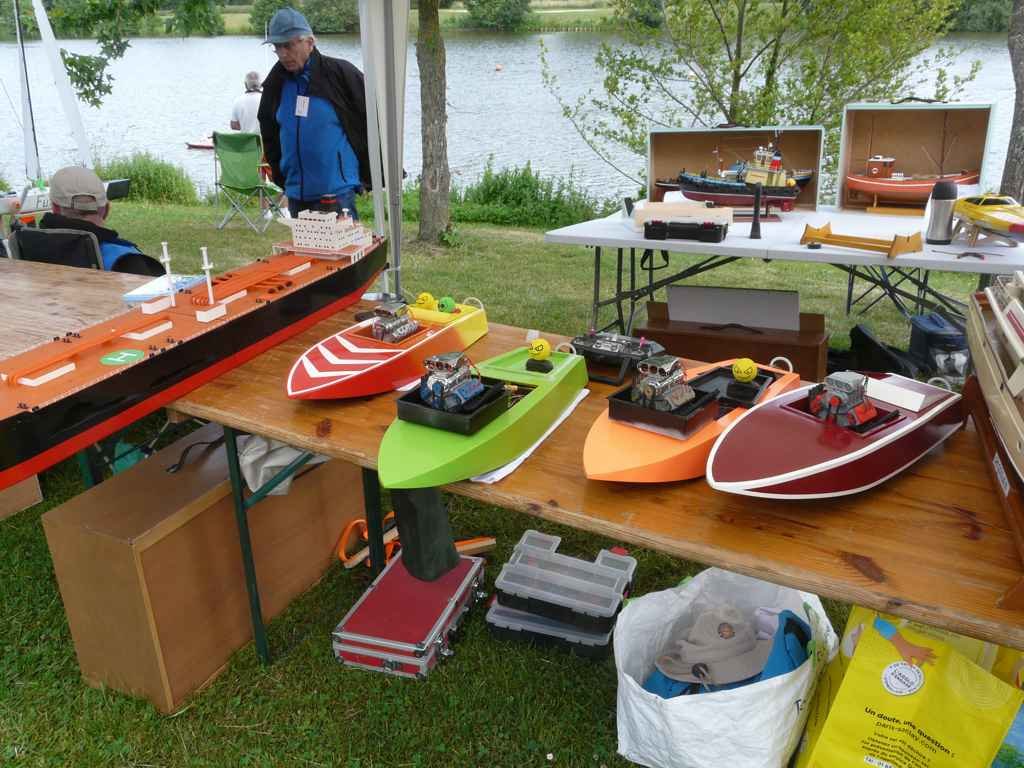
(809, 444)
(383, 353)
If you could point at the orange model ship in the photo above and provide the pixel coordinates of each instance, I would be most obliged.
(65, 394)
(627, 445)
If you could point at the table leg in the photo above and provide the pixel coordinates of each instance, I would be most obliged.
(374, 519)
(259, 630)
(618, 292)
(597, 287)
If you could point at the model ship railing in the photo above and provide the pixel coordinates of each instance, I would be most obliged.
(1004, 298)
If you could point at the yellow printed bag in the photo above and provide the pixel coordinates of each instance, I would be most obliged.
(900, 695)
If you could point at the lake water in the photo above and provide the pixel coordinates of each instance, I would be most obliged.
(169, 91)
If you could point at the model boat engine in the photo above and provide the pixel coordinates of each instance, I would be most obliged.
(449, 383)
(661, 384)
(842, 398)
(392, 323)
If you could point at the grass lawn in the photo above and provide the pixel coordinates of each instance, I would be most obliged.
(494, 704)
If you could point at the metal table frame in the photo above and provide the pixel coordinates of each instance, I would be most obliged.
(244, 502)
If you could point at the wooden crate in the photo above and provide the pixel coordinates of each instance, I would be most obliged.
(150, 569)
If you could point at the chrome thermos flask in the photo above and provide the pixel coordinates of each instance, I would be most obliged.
(940, 218)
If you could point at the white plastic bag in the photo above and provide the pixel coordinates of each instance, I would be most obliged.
(749, 727)
(260, 458)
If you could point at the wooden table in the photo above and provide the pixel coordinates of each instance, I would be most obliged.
(40, 301)
(931, 544)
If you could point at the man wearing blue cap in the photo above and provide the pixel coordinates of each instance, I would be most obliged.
(313, 120)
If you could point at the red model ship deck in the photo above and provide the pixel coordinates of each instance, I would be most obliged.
(353, 363)
(60, 397)
(778, 449)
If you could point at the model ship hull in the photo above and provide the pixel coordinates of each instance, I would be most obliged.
(779, 450)
(731, 193)
(418, 456)
(903, 190)
(617, 451)
(354, 364)
(994, 364)
(49, 420)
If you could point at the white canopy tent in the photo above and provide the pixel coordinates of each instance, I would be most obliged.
(383, 26)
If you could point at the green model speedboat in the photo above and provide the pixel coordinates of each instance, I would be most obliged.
(418, 456)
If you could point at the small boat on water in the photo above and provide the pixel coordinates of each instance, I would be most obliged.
(637, 445)
(881, 182)
(998, 215)
(778, 188)
(844, 436)
(491, 414)
(384, 352)
(995, 335)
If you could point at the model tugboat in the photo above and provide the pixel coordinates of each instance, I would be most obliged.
(662, 428)
(844, 436)
(881, 181)
(602, 348)
(387, 351)
(66, 394)
(464, 420)
(778, 187)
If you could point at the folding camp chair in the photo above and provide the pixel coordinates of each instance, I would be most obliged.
(240, 156)
(66, 247)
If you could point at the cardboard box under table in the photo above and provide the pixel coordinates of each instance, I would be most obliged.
(698, 150)
(920, 140)
(806, 348)
(150, 569)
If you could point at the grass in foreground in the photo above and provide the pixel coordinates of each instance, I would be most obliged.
(494, 704)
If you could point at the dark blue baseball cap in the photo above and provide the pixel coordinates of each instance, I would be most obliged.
(287, 24)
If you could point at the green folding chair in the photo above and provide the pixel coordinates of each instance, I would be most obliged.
(240, 157)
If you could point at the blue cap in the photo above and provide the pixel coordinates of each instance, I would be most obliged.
(287, 24)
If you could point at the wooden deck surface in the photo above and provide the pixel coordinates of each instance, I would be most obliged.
(40, 301)
(931, 544)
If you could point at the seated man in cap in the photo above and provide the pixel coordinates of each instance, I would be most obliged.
(313, 120)
(79, 201)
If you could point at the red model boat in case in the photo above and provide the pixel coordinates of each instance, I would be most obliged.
(357, 362)
(780, 449)
(883, 182)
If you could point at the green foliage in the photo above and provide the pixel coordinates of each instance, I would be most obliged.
(983, 16)
(153, 180)
(758, 62)
(331, 17)
(505, 15)
(197, 17)
(262, 10)
(516, 197)
(28, 20)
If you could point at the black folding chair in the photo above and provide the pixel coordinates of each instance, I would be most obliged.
(66, 247)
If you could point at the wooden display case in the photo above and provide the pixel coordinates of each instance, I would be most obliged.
(150, 568)
(921, 139)
(670, 151)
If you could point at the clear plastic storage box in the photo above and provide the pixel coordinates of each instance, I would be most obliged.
(586, 595)
(509, 624)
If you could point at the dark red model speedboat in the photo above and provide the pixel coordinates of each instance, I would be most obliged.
(810, 443)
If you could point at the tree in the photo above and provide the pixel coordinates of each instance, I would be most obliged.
(110, 22)
(262, 10)
(498, 14)
(1013, 171)
(757, 62)
(435, 184)
(331, 17)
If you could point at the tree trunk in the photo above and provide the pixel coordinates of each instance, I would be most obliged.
(1013, 171)
(435, 183)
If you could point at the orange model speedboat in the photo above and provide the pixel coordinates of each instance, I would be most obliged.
(627, 445)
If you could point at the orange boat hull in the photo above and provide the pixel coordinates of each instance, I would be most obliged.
(903, 190)
(619, 452)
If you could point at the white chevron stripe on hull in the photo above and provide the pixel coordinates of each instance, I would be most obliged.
(314, 373)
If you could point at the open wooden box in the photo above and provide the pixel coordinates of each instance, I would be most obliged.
(922, 139)
(711, 149)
